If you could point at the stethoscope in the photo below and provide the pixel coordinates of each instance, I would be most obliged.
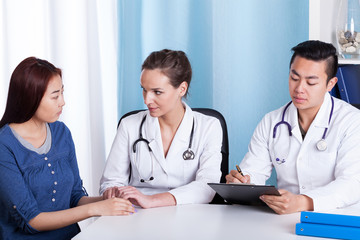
(187, 155)
(321, 145)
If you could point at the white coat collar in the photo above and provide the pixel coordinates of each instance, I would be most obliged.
(184, 130)
(294, 122)
(321, 119)
(152, 125)
(153, 134)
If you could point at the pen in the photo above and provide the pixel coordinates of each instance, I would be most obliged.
(239, 170)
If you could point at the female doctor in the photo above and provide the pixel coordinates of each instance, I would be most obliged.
(166, 155)
(313, 141)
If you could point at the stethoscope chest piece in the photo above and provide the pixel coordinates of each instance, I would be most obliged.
(188, 155)
(321, 145)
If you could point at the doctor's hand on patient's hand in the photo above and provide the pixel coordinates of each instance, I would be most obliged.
(288, 202)
(110, 193)
(235, 177)
(135, 196)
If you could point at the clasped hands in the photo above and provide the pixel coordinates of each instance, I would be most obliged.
(130, 193)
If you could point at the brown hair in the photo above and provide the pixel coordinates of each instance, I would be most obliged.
(28, 84)
(173, 64)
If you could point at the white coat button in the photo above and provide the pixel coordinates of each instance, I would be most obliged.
(45, 158)
(53, 199)
(49, 164)
(52, 172)
(54, 191)
(55, 183)
(14, 206)
(303, 187)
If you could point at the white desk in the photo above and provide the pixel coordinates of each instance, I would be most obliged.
(196, 221)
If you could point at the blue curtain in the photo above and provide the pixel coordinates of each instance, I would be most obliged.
(239, 51)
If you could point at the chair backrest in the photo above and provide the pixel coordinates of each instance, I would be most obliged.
(225, 141)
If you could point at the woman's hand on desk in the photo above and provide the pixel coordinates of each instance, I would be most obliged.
(235, 177)
(111, 207)
(288, 202)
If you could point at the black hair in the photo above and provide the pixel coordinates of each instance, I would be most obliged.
(318, 51)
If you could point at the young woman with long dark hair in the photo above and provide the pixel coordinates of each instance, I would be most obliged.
(41, 193)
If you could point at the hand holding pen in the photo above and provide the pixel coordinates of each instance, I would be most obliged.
(236, 176)
(239, 170)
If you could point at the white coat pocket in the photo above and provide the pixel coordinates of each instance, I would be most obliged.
(324, 161)
(190, 168)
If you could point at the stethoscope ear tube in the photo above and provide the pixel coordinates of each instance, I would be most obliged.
(141, 140)
(283, 122)
(187, 155)
(321, 145)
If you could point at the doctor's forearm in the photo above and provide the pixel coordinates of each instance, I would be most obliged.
(306, 203)
(163, 199)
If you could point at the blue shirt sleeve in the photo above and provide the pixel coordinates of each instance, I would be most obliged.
(15, 196)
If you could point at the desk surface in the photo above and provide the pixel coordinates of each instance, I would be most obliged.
(196, 221)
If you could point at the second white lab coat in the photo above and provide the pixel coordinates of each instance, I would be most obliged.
(331, 177)
(186, 180)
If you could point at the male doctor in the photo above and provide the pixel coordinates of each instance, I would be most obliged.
(313, 141)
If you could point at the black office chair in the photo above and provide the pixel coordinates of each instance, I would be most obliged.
(356, 105)
(224, 148)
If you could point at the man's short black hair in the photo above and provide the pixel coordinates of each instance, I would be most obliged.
(318, 51)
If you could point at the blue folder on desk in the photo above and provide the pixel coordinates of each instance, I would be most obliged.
(329, 231)
(349, 83)
(328, 225)
(330, 219)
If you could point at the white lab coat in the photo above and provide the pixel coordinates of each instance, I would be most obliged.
(331, 177)
(186, 180)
